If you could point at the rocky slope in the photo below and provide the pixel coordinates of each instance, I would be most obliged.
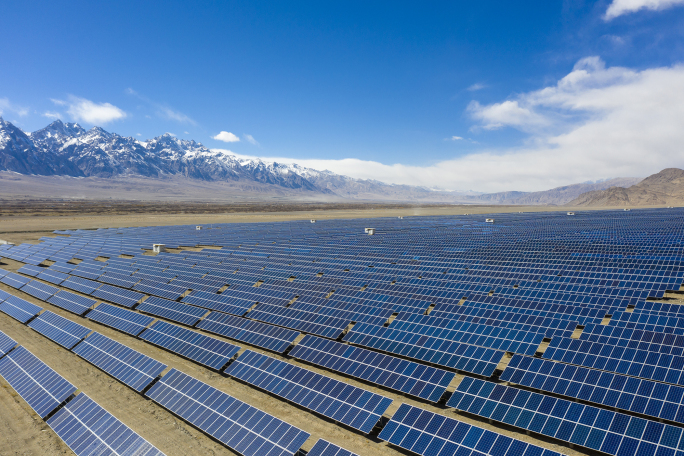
(665, 188)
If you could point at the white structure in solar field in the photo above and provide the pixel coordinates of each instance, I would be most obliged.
(571, 213)
(5, 242)
(400, 217)
(489, 220)
(370, 231)
(198, 227)
(626, 209)
(313, 221)
(157, 248)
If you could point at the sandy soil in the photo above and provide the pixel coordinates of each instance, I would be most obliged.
(23, 433)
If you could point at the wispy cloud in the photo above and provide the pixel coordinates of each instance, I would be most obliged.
(250, 139)
(6, 106)
(597, 122)
(454, 138)
(84, 110)
(226, 136)
(477, 86)
(162, 110)
(621, 7)
(52, 115)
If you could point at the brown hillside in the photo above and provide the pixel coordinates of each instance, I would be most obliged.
(665, 188)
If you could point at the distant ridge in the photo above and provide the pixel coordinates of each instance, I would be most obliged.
(660, 189)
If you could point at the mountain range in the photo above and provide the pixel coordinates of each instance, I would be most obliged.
(66, 150)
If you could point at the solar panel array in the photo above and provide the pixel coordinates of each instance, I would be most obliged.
(59, 329)
(404, 310)
(241, 427)
(19, 309)
(347, 404)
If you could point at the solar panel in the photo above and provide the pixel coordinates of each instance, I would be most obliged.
(19, 309)
(89, 430)
(456, 355)
(171, 310)
(58, 329)
(347, 404)
(124, 320)
(252, 332)
(39, 290)
(422, 432)
(199, 299)
(54, 277)
(325, 448)
(584, 425)
(6, 344)
(30, 270)
(121, 296)
(4, 295)
(14, 280)
(125, 364)
(41, 387)
(205, 350)
(72, 302)
(241, 427)
(309, 322)
(398, 374)
(162, 290)
(81, 285)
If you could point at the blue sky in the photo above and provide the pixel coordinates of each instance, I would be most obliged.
(486, 95)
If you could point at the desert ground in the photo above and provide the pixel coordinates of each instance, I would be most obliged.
(22, 432)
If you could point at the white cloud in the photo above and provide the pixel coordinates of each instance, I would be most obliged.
(595, 123)
(620, 7)
(454, 138)
(84, 110)
(226, 136)
(477, 86)
(6, 106)
(162, 110)
(52, 115)
(250, 139)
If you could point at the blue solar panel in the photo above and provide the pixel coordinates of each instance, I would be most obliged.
(72, 302)
(121, 296)
(205, 350)
(200, 299)
(6, 344)
(426, 433)
(15, 280)
(19, 309)
(125, 364)
(162, 290)
(41, 387)
(252, 332)
(58, 329)
(124, 320)
(398, 374)
(171, 310)
(81, 285)
(39, 290)
(30, 270)
(324, 448)
(89, 430)
(584, 425)
(347, 404)
(52, 276)
(457, 355)
(243, 428)
(309, 322)
(4, 295)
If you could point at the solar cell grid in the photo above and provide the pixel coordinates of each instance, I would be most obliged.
(53, 277)
(398, 374)
(591, 427)
(252, 332)
(81, 285)
(58, 329)
(121, 296)
(72, 302)
(355, 407)
(30, 270)
(40, 386)
(205, 350)
(14, 280)
(241, 427)
(124, 320)
(89, 430)
(6, 344)
(19, 309)
(325, 448)
(125, 364)
(426, 433)
(171, 310)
